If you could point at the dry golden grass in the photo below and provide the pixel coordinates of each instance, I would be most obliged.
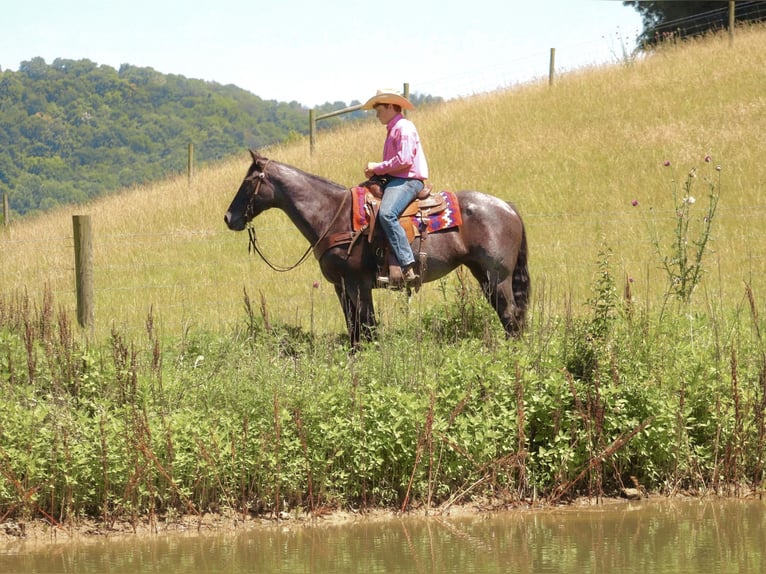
(572, 158)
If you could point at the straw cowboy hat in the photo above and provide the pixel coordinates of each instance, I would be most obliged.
(388, 97)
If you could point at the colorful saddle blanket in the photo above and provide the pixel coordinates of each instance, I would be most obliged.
(438, 212)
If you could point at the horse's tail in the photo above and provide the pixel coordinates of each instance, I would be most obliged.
(520, 282)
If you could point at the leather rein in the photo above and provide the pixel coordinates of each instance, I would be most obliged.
(253, 245)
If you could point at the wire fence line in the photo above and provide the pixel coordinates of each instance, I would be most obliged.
(560, 217)
(59, 248)
(223, 236)
(716, 19)
(179, 292)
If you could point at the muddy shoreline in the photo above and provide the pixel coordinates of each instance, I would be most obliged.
(42, 532)
(15, 534)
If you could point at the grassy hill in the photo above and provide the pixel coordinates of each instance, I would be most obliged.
(574, 158)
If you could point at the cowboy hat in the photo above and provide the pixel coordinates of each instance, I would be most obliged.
(388, 97)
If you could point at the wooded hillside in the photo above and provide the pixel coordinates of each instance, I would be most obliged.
(73, 129)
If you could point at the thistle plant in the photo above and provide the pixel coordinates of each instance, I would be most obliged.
(683, 259)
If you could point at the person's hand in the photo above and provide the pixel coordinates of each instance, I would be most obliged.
(369, 171)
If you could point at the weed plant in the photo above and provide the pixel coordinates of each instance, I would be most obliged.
(268, 419)
(683, 266)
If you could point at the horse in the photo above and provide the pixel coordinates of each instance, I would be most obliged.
(491, 242)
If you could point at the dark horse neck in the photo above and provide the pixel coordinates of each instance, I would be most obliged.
(310, 201)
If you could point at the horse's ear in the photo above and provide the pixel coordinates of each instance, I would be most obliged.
(258, 159)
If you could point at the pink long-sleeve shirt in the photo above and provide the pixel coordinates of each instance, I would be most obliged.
(402, 153)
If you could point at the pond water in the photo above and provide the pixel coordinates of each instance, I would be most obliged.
(662, 536)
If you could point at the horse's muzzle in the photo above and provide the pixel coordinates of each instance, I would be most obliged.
(234, 223)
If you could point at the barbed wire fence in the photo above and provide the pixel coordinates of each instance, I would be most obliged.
(166, 281)
(713, 20)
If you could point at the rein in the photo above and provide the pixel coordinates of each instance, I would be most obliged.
(253, 241)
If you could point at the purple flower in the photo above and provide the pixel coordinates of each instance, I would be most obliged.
(708, 159)
(667, 163)
(316, 285)
(634, 203)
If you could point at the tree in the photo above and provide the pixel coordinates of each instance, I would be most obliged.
(679, 19)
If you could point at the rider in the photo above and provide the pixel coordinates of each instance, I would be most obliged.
(404, 162)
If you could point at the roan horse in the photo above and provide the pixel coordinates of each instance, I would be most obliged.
(491, 242)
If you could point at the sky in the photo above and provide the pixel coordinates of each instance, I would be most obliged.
(318, 51)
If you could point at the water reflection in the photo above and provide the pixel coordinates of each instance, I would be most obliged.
(653, 536)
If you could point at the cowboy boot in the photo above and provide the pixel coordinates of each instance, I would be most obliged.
(409, 275)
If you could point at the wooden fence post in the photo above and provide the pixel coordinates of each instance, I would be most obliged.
(83, 258)
(312, 129)
(406, 94)
(190, 163)
(552, 68)
(731, 22)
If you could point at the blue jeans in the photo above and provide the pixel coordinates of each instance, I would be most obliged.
(397, 196)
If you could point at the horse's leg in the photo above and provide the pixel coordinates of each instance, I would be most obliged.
(349, 312)
(366, 313)
(358, 310)
(499, 293)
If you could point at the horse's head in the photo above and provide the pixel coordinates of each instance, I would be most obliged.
(253, 196)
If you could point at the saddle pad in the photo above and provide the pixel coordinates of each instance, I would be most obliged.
(447, 218)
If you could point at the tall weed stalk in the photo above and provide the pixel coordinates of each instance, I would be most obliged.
(682, 261)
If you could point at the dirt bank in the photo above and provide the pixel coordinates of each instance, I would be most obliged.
(35, 532)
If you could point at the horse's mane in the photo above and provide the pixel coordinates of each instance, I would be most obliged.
(310, 176)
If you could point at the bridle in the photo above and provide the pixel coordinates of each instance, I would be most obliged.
(253, 241)
(249, 208)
